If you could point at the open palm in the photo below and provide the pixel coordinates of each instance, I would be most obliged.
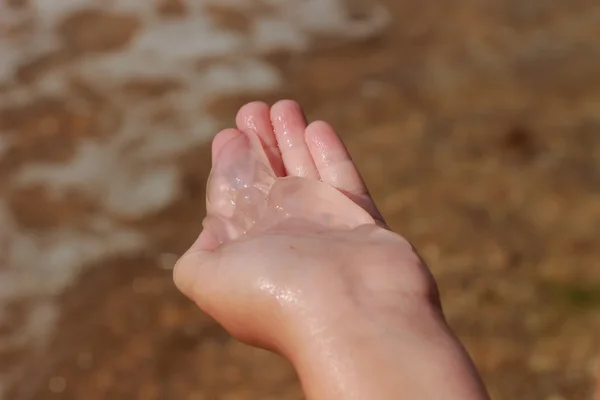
(293, 242)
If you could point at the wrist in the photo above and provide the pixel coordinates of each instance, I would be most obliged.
(386, 357)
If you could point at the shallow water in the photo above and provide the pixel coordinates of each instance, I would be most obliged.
(92, 69)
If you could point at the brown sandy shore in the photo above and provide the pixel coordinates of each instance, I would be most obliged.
(477, 127)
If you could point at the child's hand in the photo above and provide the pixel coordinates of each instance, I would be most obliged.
(295, 257)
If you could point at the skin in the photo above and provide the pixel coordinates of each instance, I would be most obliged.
(357, 312)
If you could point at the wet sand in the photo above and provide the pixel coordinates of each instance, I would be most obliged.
(476, 125)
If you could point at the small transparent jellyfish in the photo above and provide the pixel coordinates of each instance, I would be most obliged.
(244, 195)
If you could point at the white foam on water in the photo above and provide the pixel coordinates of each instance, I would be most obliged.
(35, 266)
(51, 12)
(44, 263)
(133, 172)
(190, 38)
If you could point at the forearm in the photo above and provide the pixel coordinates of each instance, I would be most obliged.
(389, 360)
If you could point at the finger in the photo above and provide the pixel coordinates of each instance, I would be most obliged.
(221, 140)
(336, 167)
(289, 125)
(255, 117)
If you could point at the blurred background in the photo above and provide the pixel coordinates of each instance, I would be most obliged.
(475, 122)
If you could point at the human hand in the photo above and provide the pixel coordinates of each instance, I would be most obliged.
(295, 257)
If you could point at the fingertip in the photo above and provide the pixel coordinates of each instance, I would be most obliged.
(319, 125)
(290, 110)
(326, 146)
(248, 113)
(289, 103)
(320, 134)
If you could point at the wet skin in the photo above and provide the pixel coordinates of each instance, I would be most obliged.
(295, 257)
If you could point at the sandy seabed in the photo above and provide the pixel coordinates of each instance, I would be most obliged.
(476, 124)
